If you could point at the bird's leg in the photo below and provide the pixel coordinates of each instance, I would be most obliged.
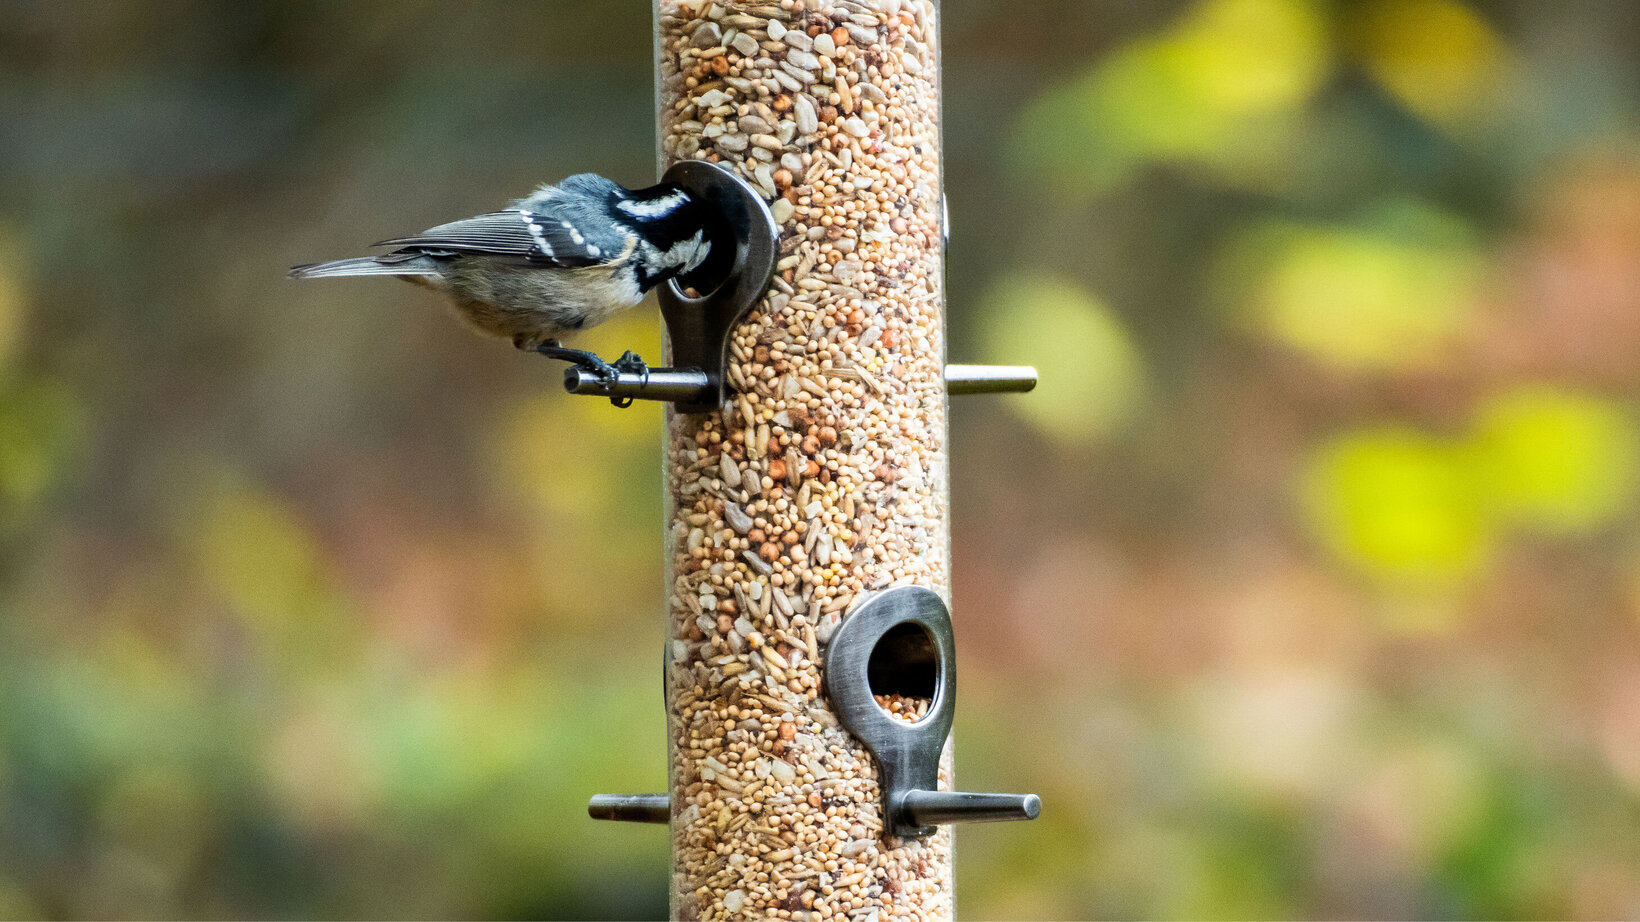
(591, 362)
(629, 363)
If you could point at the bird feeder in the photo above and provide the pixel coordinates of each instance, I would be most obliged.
(810, 655)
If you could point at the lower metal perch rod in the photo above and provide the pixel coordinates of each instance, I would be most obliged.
(923, 808)
(677, 385)
(941, 808)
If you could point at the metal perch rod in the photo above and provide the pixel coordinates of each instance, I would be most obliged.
(923, 808)
(940, 808)
(989, 379)
(688, 385)
(631, 808)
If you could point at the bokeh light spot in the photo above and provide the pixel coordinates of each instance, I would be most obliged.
(1400, 505)
(1092, 375)
(1556, 460)
(1367, 297)
(1437, 57)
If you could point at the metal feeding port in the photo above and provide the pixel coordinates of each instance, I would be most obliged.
(896, 645)
(745, 244)
(745, 247)
(899, 644)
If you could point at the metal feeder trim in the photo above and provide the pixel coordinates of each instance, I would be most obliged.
(899, 640)
(734, 279)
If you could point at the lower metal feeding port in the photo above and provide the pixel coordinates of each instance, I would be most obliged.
(899, 645)
(896, 647)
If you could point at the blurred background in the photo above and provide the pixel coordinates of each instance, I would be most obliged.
(1306, 585)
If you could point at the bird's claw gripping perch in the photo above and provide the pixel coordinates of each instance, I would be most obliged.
(606, 373)
(629, 363)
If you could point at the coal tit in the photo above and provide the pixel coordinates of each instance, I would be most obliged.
(562, 259)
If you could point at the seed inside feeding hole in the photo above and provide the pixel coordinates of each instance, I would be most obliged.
(903, 708)
(719, 266)
(904, 672)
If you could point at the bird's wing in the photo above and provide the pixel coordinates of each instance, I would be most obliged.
(520, 233)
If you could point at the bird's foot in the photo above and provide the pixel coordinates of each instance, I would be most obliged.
(629, 363)
(606, 372)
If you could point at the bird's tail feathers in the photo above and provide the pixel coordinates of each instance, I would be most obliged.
(367, 265)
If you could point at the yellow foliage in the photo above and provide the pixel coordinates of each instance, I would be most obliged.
(1556, 460)
(257, 554)
(586, 471)
(42, 426)
(1247, 57)
(557, 450)
(14, 289)
(1092, 376)
(1413, 508)
(1214, 90)
(1400, 505)
(1439, 58)
(15, 902)
(1363, 298)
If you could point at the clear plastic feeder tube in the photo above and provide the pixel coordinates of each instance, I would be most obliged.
(824, 476)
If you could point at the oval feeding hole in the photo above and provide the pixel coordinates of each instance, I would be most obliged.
(718, 269)
(904, 672)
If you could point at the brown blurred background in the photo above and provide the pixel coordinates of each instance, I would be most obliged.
(1306, 584)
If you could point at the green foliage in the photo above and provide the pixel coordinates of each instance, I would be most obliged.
(1320, 602)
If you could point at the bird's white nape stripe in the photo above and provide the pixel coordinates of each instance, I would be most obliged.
(686, 254)
(535, 231)
(653, 208)
(702, 248)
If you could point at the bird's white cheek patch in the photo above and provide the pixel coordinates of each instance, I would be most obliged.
(687, 253)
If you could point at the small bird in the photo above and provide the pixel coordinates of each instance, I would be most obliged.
(562, 259)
